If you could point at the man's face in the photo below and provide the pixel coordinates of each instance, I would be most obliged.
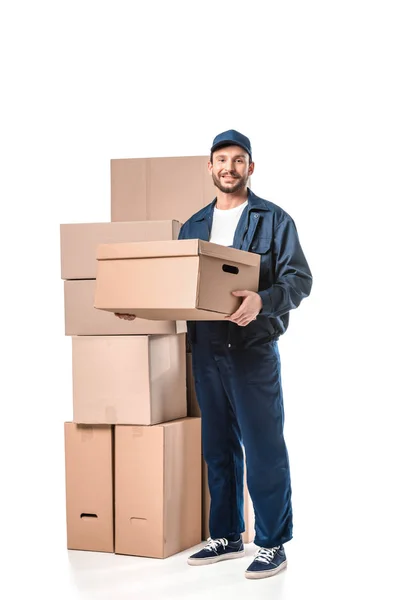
(231, 169)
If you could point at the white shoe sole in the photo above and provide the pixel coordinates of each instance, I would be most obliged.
(262, 574)
(195, 562)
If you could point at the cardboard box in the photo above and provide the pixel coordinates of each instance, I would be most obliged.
(160, 188)
(130, 380)
(158, 488)
(192, 404)
(81, 318)
(248, 510)
(89, 487)
(79, 242)
(173, 280)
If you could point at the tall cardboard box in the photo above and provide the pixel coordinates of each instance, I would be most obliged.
(160, 188)
(178, 279)
(79, 241)
(248, 510)
(158, 488)
(131, 380)
(89, 487)
(81, 318)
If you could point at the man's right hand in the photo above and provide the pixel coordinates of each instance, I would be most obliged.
(124, 316)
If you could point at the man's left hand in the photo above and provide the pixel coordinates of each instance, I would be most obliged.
(248, 310)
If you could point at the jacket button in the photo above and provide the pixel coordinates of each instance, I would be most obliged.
(229, 345)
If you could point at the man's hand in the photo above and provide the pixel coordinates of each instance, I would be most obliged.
(124, 316)
(248, 310)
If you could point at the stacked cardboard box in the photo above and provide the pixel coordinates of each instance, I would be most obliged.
(159, 188)
(132, 455)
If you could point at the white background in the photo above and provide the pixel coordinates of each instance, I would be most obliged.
(315, 85)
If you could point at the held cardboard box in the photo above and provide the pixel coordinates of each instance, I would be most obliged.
(248, 510)
(160, 188)
(81, 318)
(89, 487)
(79, 242)
(177, 280)
(129, 380)
(158, 488)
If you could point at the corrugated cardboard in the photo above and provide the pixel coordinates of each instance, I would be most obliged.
(132, 380)
(158, 488)
(177, 280)
(193, 405)
(81, 318)
(160, 188)
(79, 242)
(248, 510)
(89, 487)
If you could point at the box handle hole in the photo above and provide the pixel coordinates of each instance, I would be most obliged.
(230, 269)
(88, 516)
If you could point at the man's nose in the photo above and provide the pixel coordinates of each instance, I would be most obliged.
(229, 165)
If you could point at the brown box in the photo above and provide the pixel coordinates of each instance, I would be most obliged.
(81, 318)
(129, 380)
(248, 510)
(160, 188)
(89, 487)
(79, 242)
(192, 404)
(158, 488)
(173, 280)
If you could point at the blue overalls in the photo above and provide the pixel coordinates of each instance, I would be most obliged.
(238, 379)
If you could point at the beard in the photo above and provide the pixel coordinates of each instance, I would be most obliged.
(240, 184)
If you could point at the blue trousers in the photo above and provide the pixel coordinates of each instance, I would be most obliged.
(240, 397)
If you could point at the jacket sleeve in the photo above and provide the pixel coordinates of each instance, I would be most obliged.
(293, 278)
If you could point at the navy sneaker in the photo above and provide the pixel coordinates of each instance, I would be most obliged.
(267, 562)
(216, 550)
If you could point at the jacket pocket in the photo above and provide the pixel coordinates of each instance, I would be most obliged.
(261, 245)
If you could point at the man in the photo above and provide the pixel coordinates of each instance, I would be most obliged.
(236, 365)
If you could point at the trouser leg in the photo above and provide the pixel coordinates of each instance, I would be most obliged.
(252, 380)
(221, 442)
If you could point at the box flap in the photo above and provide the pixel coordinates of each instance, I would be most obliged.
(175, 248)
(229, 254)
(147, 249)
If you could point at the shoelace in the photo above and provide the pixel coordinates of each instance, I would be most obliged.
(214, 544)
(266, 554)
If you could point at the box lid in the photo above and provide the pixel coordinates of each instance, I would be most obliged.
(175, 248)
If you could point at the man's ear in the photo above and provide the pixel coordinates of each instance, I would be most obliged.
(209, 166)
(251, 168)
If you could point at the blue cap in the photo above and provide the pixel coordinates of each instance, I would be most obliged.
(231, 138)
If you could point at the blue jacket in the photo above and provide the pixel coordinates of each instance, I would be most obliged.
(285, 277)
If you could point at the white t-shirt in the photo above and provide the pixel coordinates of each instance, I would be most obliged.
(224, 224)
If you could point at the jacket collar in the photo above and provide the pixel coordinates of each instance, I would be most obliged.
(255, 203)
